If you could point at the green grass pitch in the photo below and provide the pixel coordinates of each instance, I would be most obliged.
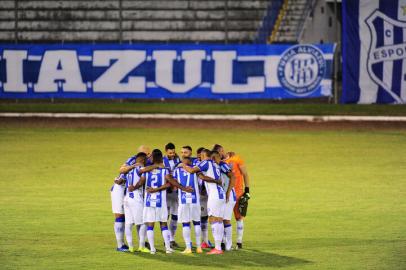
(320, 199)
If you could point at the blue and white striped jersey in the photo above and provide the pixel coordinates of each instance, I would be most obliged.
(211, 169)
(132, 178)
(187, 180)
(195, 161)
(155, 179)
(224, 170)
(130, 161)
(171, 163)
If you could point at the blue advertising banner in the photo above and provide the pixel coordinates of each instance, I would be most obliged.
(374, 51)
(166, 71)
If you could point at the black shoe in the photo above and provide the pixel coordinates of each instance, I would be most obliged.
(223, 246)
(239, 246)
(174, 244)
(147, 245)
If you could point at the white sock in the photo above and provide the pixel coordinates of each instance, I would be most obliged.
(218, 231)
(173, 225)
(129, 234)
(205, 232)
(240, 231)
(186, 235)
(198, 230)
(141, 235)
(228, 234)
(167, 236)
(119, 231)
(150, 235)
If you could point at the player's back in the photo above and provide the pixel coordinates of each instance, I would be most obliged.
(133, 178)
(155, 179)
(187, 179)
(211, 169)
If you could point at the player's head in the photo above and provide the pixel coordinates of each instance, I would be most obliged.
(170, 150)
(141, 158)
(144, 149)
(220, 149)
(187, 160)
(215, 156)
(186, 151)
(205, 154)
(157, 156)
(199, 152)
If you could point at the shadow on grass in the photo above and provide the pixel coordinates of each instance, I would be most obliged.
(241, 258)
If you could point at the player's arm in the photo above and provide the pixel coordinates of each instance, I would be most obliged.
(119, 180)
(244, 173)
(231, 185)
(148, 168)
(195, 169)
(125, 168)
(209, 179)
(153, 190)
(139, 184)
(175, 183)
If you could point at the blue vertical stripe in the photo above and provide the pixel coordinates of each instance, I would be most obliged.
(351, 52)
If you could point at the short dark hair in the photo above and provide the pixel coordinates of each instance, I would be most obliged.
(217, 147)
(212, 153)
(199, 150)
(157, 156)
(207, 152)
(141, 155)
(187, 147)
(169, 146)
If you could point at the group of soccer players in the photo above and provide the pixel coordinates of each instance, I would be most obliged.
(153, 187)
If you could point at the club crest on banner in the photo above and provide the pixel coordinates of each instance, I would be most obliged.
(385, 48)
(301, 69)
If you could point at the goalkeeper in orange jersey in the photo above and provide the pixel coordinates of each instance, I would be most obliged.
(241, 188)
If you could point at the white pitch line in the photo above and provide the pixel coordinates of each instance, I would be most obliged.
(247, 117)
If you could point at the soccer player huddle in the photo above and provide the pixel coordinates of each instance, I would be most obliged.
(154, 188)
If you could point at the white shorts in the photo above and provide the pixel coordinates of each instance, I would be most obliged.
(117, 198)
(133, 211)
(215, 207)
(188, 212)
(203, 206)
(228, 209)
(155, 214)
(172, 201)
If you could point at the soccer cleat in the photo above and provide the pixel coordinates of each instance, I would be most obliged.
(199, 250)
(123, 248)
(187, 251)
(147, 245)
(131, 249)
(215, 252)
(153, 251)
(223, 246)
(143, 250)
(169, 251)
(204, 245)
(239, 246)
(210, 244)
(174, 244)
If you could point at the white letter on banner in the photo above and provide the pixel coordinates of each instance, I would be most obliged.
(110, 80)
(63, 66)
(14, 71)
(223, 76)
(164, 70)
